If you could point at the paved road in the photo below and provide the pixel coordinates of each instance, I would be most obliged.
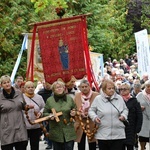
(43, 146)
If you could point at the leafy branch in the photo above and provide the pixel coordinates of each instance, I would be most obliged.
(39, 5)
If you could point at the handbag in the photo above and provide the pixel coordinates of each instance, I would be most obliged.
(125, 122)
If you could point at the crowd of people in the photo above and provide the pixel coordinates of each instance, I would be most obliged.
(117, 117)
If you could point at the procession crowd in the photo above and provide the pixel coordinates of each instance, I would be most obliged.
(116, 117)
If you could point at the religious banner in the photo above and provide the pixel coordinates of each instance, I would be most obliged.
(143, 52)
(62, 51)
(62, 46)
(37, 66)
(97, 63)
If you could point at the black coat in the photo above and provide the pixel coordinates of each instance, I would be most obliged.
(45, 94)
(135, 119)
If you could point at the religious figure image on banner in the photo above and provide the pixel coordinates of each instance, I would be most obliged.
(64, 56)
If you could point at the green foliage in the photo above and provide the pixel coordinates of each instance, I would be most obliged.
(107, 27)
(145, 19)
(42, 4)
(14, 21)
(109, 32)
(15, 17)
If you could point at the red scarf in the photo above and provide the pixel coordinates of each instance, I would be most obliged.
(126, 97)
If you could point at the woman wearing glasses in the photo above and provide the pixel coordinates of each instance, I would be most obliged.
(134, 116)
(62, 133)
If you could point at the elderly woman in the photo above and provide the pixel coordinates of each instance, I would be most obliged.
(13, 133)
(134, 116)
(109, 111)
(83, 100)
(62, 133)
(34, 131)
(144, 100)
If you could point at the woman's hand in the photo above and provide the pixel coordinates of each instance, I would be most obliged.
(121, 118)
(52, 117)
(30, 106)
(97, 120)
(27, 107)
(73, 112)
(38, 115)
(143, 108)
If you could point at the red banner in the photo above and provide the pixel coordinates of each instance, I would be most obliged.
(62, 45)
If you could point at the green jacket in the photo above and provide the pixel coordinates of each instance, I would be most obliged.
(60, 131)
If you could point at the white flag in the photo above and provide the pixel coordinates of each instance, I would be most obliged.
(23, 47)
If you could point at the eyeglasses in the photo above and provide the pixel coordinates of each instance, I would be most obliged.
(59, 87)
(123, 89)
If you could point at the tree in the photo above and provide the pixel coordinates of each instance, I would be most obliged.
(15, 17)
(139, 14)
(111, 25)
(13, 23)
(107, 27)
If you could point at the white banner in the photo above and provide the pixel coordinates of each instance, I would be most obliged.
(23, 47)
(97, 63)
(143, 52)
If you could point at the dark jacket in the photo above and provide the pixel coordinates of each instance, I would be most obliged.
(45, 94)
(135, 120)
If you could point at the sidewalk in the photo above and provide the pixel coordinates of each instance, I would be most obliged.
(43, 146)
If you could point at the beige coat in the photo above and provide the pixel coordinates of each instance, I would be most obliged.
(77, 125)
